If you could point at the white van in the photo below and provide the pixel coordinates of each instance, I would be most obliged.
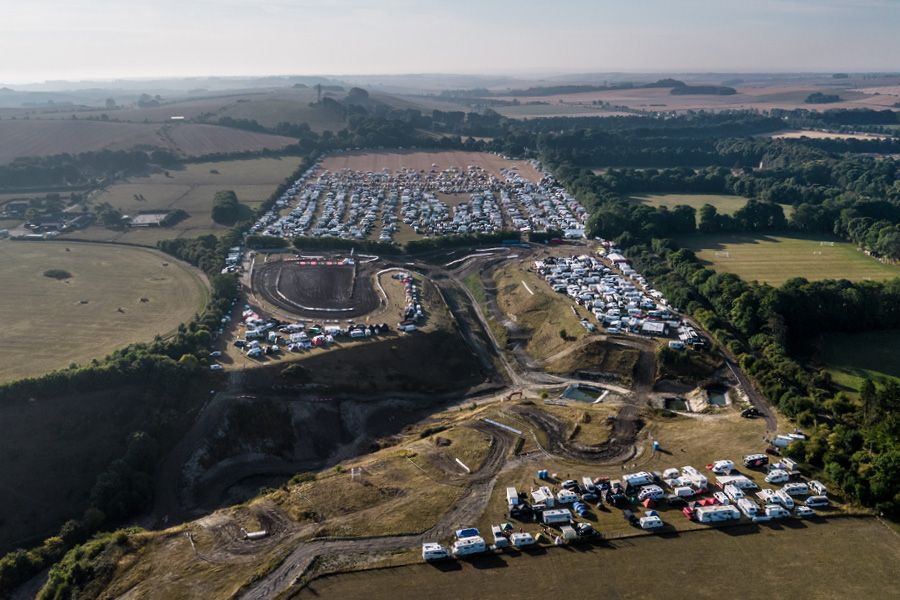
(520, 539)
(723, 467)
(774, 511)
(817, 501)
(652, 522)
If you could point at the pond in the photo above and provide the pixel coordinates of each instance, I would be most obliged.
(676, 404)
(582, 393)
(717, 397)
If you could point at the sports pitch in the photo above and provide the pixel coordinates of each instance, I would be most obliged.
(775, 259)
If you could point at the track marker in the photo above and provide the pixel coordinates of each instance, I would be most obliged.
(502, 426)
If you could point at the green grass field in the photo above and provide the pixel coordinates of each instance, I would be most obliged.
(853, 357)
(775, 259)
(190, 189)
(779, 561)
(724, 203)
(117, 295)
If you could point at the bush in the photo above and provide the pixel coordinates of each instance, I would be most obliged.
(57, 274)
(302, 478)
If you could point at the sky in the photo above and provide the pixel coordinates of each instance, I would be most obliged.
(103, 39)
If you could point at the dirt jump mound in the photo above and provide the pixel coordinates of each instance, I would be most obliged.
(318, 289)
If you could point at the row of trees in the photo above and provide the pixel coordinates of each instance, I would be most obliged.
(856, 443)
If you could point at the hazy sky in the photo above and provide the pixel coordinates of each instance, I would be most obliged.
(76, 39)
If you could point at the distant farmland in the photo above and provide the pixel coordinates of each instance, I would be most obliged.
(116, 295)
(47, 137)
(775, 259)
(190, 189)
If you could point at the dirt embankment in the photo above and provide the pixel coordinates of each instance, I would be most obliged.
(620, 446)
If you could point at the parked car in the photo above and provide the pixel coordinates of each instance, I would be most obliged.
(432, 551)
(804, 512)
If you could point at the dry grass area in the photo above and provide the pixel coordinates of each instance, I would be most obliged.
(45, 137)
(822, 135)
(393, 495)
(538, 111)
(541, 314)
(866, 550)
(588, 421)
(116, 295)
(775, 259)
(190, 189)
(595, 355)
(441, 449)
(725, 204)
(393, 161)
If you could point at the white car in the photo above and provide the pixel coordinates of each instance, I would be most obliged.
(722, 498)
(432, 551)
(215, 367)
(804, 512)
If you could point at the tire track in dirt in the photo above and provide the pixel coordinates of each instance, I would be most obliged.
(469, 507)
(620, 446)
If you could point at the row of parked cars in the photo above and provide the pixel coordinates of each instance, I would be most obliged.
(350, 204)
(617, 301)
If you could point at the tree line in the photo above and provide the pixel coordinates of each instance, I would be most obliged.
(855, 442)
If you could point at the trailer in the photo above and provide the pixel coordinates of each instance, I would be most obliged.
(636, 479)
(557, 515)
(467, 546)
(716, 514)
(512, 497)
(748, 507)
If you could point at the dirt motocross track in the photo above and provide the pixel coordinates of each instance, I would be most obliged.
(318, 291)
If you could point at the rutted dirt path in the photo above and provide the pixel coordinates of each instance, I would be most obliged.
(467, 508)
(620, 447)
